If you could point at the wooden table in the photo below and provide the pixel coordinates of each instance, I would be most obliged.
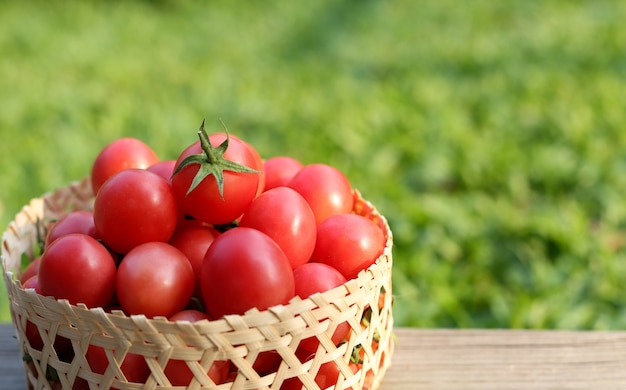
(465, 359)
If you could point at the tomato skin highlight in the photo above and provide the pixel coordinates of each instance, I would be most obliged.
(154, 279)
(123, 153)
(134, 207)
(78, 268)
(244, 269)
(349, 243)
(325, 188)
(287, 218)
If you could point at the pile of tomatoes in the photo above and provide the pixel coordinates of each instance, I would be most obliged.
(217, 231)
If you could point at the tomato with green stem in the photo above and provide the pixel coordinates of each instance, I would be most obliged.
(215, 184)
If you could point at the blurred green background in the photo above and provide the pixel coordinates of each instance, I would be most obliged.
(490, 133)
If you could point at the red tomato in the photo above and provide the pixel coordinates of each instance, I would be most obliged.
(134, 207)
(348, 243)
(80, 221)
(31, 270)
(211, 201)
(327, 376)
(280, 170)
(178, 372)
(163, 168)
(78, 268)
(32, 332)
(123, 153)
(243, 269)
(258, 161)
(133, 366)
(194, 240)
(287, 218)
(312, 278)
(325, 188)
(154, 279)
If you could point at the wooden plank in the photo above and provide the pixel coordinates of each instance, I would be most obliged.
(465, 359)
(507, 359)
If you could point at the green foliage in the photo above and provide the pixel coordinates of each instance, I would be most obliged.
(489, 133)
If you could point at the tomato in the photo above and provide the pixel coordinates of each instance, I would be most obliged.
(258, 162)
(267, 362)
(178, 372)
(312, 278)
(194, 240)
(134, 207)
(78, 268)
(79, 221)
(326, 377)
(215, 184)
(286, 217)
(31, 331)
(163, 168)
(348, 243)
(244, 268)
(123, 153)
(133, 366)
(280, 170)
(31, 270)
(154, 279)
(325, 188)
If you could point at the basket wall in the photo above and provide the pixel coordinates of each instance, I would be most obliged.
(238, 338)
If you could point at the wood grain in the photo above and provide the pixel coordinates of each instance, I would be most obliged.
(465, 359)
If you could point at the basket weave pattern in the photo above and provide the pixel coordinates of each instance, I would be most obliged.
(238, 338)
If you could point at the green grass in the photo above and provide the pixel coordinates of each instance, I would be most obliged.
(491, 134)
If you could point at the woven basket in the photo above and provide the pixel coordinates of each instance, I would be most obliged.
(237, 338)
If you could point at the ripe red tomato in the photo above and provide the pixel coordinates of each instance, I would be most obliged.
(31, 270)
(163, 168)
(287, 218)
(154, 279)
(312, 278)
(244, 268)
(215, 201)
(78, 268)
(178, 372)
(194, 240)
(79, 221)
(325, 188)
(348, 243)
(280, 170)
(326, 377)
(133, 366)
(258, 160)
(31, 331)
(134, 207)
(123, 153)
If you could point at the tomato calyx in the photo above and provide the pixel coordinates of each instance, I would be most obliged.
(212, 162)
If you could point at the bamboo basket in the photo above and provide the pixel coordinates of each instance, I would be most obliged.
(237, 338)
